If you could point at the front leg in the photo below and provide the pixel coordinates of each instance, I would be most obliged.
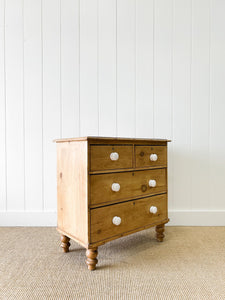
(65, 243)
(159, 232)
(91, 260)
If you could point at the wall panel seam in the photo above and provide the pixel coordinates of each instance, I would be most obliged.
(210, 101)
(79, 64)
(116, 73)
(42, 106)
(172, 98)
(190, 142)
(153, 71)
(60, 68)
(4, 71)
(23, 88)
(135, 67)
(97, 69)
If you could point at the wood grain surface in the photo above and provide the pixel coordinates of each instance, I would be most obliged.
(142, 156)
(100, 157)
(72, 180)
(132, 184)
(133, 214)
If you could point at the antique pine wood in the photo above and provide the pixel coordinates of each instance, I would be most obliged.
(86, 202)
(159, 232)
(72, 186)
(134, 214)
(132, 184)
(100, 157)
(65, 243)
(142, 154)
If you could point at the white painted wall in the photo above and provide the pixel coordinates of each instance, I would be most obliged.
(133, 68)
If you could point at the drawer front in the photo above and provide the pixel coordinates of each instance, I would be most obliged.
(111, 157)
(129, 216)
(131, 184)
(149, 156)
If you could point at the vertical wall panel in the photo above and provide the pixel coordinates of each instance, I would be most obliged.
(144, 68)
(33, 104)
(88, 68)
(200, 105)
(163, 68)
(2, 109)
(181, 103)
(107, 67)
(126, 64)
(217, 93)
(51, 97)
(70, 67)
(163, 102)
(14, 105)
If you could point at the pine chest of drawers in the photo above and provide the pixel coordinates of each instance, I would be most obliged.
(108, 188)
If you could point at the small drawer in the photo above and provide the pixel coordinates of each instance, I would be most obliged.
(111, 157)
(147, 156)
(127, 185)
(116, 219)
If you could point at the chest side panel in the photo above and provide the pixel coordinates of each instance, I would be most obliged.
(72, 191)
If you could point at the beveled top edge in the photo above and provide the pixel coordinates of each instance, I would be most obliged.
(108, 139)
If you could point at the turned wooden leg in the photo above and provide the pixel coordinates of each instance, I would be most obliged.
(159, 232)
(65, 243)
(91, 260)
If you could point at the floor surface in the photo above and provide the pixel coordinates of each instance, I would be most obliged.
(189, 264)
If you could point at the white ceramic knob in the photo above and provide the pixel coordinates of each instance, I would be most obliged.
(116, 220)
(152, 183)
(114, 156)
(153, 209)
(153, 157)
(115, 187)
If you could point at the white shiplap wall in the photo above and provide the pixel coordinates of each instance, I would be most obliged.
(134, 68)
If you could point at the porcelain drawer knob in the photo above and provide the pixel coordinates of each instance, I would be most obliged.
(116, 220)
(153, 209)
(152, 183)
(114, 156)
(115, 187)
(153, 157)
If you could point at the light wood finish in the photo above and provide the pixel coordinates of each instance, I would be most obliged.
(125, 170)
(99, 243)
(160, 232)
(132, 184)
(100, 157)
(142, 156)
(133, 214)
(65, 243)
(112, 140)
(91, 260)
(72, 181)
(86, 202)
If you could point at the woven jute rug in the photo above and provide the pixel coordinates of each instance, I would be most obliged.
(189, 264)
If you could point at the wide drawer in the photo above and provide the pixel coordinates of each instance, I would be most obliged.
(129, 215)
(111, 157)
(130, 185)
(150, 156)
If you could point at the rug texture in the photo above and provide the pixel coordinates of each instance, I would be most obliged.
(189, 264)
